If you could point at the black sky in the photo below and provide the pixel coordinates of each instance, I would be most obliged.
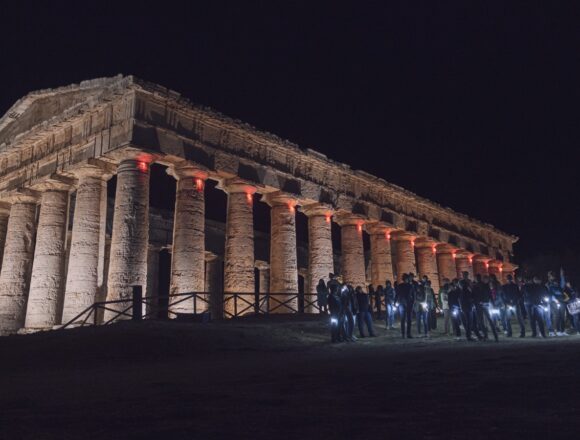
(471, 104)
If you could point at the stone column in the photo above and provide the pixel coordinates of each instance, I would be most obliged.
(353, 255)
(4, 216)
(188, 256)
(87, 248)
(427, 261)
(283, 252)
(463, 262)
(130, 237)
(507, 269)
(213, 284)
(496, 268)
(381, 256)
(480, 265)
(17, 264)
(264, 282)
(152, 289)
(239, 250)
(446, 262)
(320, 254)
(405, 254)
(46, 296)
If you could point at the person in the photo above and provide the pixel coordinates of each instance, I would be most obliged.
(535, 295)
(378, 297)
(334, 284)
(322, 297)
(511, 297)
(364, 312)
(421, 310)
(404, 300)
(336, 316)
(549, 302)
(444, 304)
(349, 310)
(432, 306)
(484, 306)
(573, 296)
(496, 301)
(467, 307)
(558, 302)
(454, 307)
(390, 306)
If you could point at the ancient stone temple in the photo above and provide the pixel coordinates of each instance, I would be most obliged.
(66, 241)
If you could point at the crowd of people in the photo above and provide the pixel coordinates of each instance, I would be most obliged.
(477, 306)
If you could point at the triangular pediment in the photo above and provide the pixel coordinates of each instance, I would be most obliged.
(44, 107)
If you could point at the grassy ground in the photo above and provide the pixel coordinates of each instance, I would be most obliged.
(278, 377)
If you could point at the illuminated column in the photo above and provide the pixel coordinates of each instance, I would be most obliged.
(496, 268)
(353, 256)
(188, 255)
(239, 250)
(283, 252)
(264, 281)
(507, 269)
(4, 216)
(87, 248)
(446, 266)
(480, 265)
(427, 261)
(464, 263)
(320, 256)
(46, 296)
(130, 236)
(213, 284)
(152, 290)
(405, 254)
(17, 262)
(381, 257)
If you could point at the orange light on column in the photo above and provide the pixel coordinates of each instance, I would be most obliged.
(413, 243)
(470, 260)
(359, 227)
(291, 207)
(486, 265)
(142, 166)
(434, 249)
(327, 216)
(199, 184)
(454, 254)
(388, 235)
(501, 268)
(249, 197)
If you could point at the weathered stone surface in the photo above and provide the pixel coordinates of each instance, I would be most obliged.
(405, 254)
(353, 256)
(496, 268)
(188, 257)
(45, 299)
(4, 216)
(85, 276)
(239, 249)
(381, 255)
(283, 257)
(130, 236)
(464, 264)
(320, 253)
(480, 265)
(427, 261)
(17, 264)
(446, 263)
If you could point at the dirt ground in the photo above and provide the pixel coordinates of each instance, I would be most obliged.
(278, 377)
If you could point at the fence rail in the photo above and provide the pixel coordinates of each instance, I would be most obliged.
(200, 304)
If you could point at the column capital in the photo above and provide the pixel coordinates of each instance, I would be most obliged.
(378, 228)
(236, 185)
(96, 169)
(496, 263)
(462, 253)
(482, 258)
(261, 265)
(445, 248)
(403, 236)
(131, 153)
(278, 198)
(186, 170)
(22, 195)
(426, 242)
(56, 183)
(318, 209)
(4, 208)
(350, 219)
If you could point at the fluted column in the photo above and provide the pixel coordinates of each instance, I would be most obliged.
(188, 256)
(239, 249)
(320, 253)
(213, 284)
(87, 248)
(446, 262)
(496, 268)
(427, 261)
(381, 257)
(283, 252)
(4, 216)
(130, 236)
(404, 253)
(464, 263)
(264, 281)
(46, 296)
(17, 263)
(352, 250)
(480, 265)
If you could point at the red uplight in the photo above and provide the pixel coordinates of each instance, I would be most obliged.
(359, 227)
(142, 166)
(470, 260)
(413, 243)
(328, 218)
(249, 197)
(454, 255)
(434, 249)
(291, 207)
(486, 265)
(501, 268)
(199, 184)
(388, 235)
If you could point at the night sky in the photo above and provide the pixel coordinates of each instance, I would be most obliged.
(471, 104)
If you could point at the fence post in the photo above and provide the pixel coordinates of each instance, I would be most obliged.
(95, 316)
(137, 303)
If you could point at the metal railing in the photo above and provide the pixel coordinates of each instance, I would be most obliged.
(201, 304)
